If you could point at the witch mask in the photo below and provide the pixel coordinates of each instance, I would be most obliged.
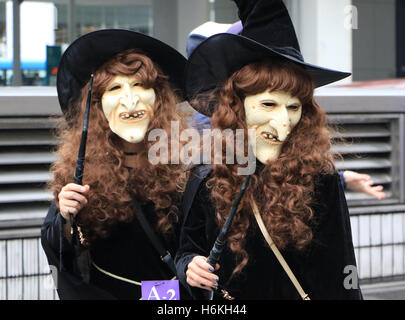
(128, 107)
(272, 115)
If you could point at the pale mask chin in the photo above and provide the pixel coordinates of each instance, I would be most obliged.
(134, 135)
(272, 115)
(265, 153)
(128, 107)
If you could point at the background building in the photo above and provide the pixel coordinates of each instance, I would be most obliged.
(365, 37)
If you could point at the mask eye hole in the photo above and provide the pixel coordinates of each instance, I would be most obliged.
(268, 104)
(114, 88)
(293, 107)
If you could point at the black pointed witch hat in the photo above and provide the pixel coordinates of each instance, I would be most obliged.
(90, 51)
(267, 33)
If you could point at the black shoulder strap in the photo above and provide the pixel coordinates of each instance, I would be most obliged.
(197, 175)
(163, 253)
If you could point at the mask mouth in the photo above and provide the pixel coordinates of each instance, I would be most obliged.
(134, 116)
(271, 138)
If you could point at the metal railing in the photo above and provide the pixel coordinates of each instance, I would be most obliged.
(24, 271)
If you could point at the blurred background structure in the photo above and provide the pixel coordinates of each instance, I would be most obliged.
(365, 37)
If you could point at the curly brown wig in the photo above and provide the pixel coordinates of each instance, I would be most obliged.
(111, 183)
(283, 189)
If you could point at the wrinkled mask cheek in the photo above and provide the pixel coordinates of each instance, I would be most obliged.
(147, 96)
(295, 119)
(108, 104)
(265, 153)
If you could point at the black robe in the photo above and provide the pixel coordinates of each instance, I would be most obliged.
(320, 268)
(126, 252)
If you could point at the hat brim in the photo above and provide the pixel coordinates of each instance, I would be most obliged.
(218, 57)
(89, 52)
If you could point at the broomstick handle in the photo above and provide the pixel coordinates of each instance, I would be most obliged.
(220, 242)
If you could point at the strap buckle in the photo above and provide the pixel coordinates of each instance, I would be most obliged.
(166, 257)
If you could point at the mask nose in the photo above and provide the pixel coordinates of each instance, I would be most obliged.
(281, 123)
(128, 99)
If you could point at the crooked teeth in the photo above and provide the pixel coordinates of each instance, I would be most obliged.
(269, 136)
(131, 115)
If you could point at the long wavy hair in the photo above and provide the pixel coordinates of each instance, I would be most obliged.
(111, 183)
(283, 189)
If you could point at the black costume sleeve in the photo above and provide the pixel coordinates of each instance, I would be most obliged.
(193, 240)
(60, 254)
(331, 251)
(53, 241)
(342, 179)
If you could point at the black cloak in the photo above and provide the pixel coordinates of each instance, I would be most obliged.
(320, 268)
(126, 252)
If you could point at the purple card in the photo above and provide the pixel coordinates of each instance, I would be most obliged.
(160, 290)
